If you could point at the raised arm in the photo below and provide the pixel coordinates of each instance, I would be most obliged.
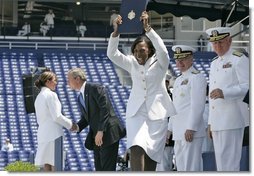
(112, 51)
(161, 50)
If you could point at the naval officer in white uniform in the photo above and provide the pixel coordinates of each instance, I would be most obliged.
(189, 97)
(149, 105)
(228, 114)
(50, 120)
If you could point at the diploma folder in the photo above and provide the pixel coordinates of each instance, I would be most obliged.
(131, 11)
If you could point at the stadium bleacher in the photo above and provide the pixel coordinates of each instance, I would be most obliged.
(21, 127)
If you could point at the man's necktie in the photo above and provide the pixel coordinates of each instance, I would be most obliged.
(81, 100)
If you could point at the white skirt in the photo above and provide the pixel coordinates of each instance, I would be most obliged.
(45, 154)
(148, 134)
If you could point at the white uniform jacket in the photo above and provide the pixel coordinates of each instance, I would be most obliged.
(49, 117)
(230, 73)
(7, 147)
(82, 28)
(44, 27)
(148, 80)
(189, 97)
(26, 28)
(49, 18)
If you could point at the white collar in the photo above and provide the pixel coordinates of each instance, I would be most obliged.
(188, 71)
(44, 88)
(82, 89)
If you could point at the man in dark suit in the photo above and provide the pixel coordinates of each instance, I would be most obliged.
(96, 111)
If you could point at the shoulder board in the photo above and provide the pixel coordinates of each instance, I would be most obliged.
(237, 53)
(215, 58)
(179, 75)
(195, 72)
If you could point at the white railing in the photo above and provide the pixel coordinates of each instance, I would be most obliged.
(32, 42)
(51, 43)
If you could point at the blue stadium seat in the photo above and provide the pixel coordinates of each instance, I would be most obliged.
(24, 155)
(3, 160)
(3, 155)
(13, 156)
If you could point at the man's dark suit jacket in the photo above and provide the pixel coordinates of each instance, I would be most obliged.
(100, 116)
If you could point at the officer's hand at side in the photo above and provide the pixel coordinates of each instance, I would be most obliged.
(189, 135)
(216, 93)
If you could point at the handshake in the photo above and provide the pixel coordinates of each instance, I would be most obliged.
(74, 127)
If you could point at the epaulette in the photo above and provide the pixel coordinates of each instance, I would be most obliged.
(195, 72)
(215, 58)
(237, 53)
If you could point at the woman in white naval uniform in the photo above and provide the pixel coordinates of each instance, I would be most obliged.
(149, 105)
(189, 97)
(50, 120)
(228, 114)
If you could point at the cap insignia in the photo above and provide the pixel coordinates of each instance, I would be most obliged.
(178, 50)
(215, 33)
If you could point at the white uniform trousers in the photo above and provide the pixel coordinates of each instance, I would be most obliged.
(189, 155)
(228, 149)
(166, 163)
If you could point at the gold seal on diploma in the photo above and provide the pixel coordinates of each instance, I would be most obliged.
(131, 11)
(131, 15)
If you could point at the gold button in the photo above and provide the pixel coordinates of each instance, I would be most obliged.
(144, 88)
(213, 107)
(142, 72)
(214, 82)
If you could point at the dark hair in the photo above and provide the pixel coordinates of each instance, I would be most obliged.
(145, 39)
(43, 78)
